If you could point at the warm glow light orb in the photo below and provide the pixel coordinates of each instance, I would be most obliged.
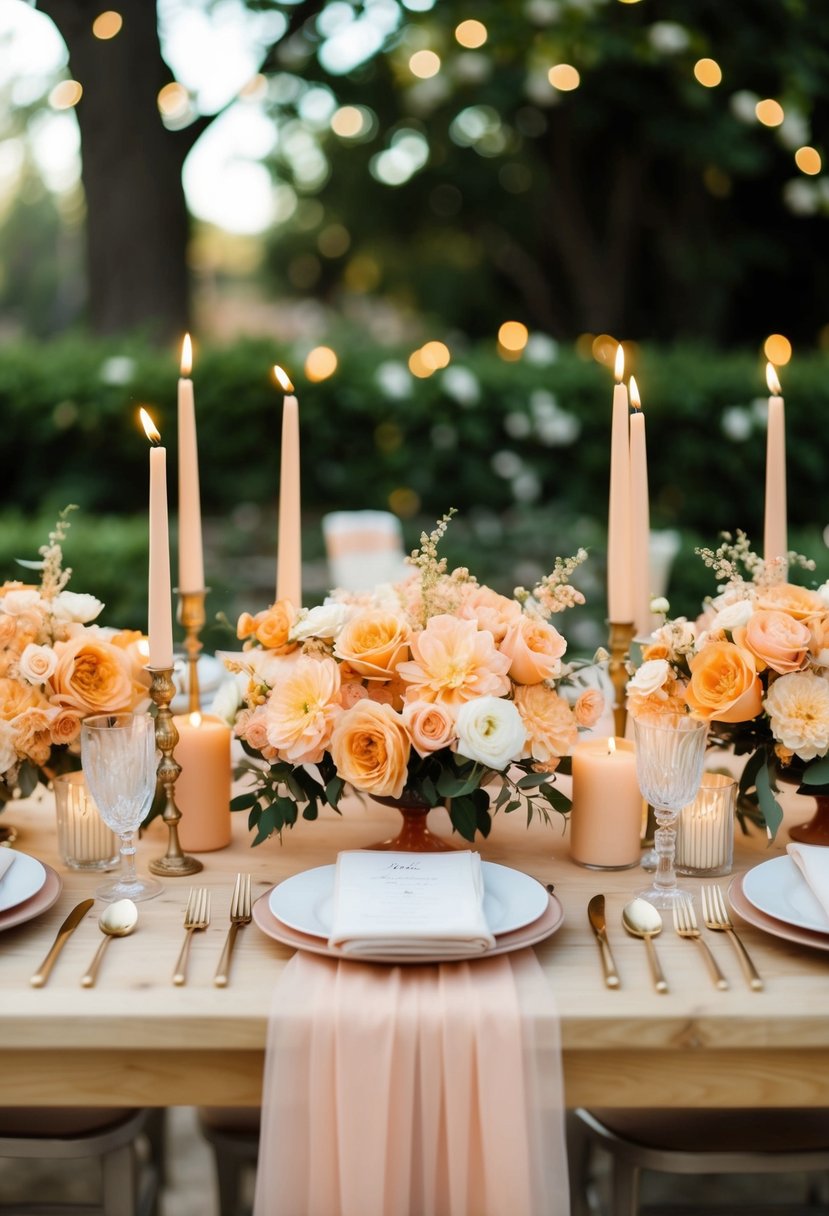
(107, 25)
(320, 363)
(769, 112)
(708, 72)
(513, 335)
(347, 122)
(173, 99)
(471, 34)
(605, 349)
(418, 365)
(564, 76)
(808, 160)
(65, 95)
(435, 355)
(777, 349)
(424, 64)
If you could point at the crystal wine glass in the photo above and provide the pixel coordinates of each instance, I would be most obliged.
(118, 755)
(670, 750)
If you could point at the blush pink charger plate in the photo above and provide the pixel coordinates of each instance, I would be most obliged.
(36, 904)
(550, 919)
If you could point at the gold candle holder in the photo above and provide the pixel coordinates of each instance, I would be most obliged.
(620, 638)
(174, 863)
(191, 617)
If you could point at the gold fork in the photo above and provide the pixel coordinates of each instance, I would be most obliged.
(685, 923)
(196, 916)
(715, 915)
(240, 914)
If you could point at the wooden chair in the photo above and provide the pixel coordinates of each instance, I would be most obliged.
(233, 1135)
(720, 1142)
(128, 1183)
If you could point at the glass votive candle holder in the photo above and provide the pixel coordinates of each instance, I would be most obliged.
(705, 829)
(84, 840)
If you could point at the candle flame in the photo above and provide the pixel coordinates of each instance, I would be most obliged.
(611, 746)
(282, 379)
(195, 719)
(619, 364)
(186, 356)
(772, 381)
(143, 647)
(150, 429)
(635, 399)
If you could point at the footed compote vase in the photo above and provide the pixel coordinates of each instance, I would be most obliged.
(816, 830)
(414, 836)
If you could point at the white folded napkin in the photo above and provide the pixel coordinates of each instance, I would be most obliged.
(813, 862)
(6, 861)
(412, 904)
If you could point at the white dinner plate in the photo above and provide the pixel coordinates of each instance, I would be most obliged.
(305, 901)
(21, 881)
(777, 888)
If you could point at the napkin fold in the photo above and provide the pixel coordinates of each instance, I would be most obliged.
(813, 862)
(6, 861)
(418, 905)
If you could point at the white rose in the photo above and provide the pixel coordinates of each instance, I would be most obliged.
(324, 621)
(490, 731)
(733, 616)
(37, 663)
(8, 752)
(228, 698)
(660, 606)
(72, 606)
(15, 602)
(650, 677)
(823, 592)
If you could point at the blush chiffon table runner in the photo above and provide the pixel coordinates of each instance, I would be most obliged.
(424, 1090)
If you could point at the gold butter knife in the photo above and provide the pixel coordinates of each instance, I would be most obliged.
(67, 928)
(596, 916)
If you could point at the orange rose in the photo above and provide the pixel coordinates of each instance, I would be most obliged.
(94, 677)
(776, 639)
(724, 684)
(534, 649)
(270, 627)
(658, 650)
(16, 697)
(373, 643)
(370, 748)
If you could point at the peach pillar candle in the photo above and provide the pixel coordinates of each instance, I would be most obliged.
(289, 542)
(190, 555)
(619, 581)
(640, 526)
(606, 817)
(160, 600)
(775, 537)
(203, 786)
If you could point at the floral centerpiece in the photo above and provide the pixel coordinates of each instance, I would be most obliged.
(756, 665)
(56, 668)
(435, 690)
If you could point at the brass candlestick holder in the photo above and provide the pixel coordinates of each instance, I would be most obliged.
(620, 638)
(191, 617)
(174, 863)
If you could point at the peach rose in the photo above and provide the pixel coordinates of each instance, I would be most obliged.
(373, 643)
(776, 639)
(589, 707)
(370, 748)
(37, 663)
(33, 738)
(388, 692)
(724, 684)
(65, 726)
(453, 662)
(548, 720)
(431, 726)
(8, 629)
(94, 677)
(303, 708)
(489, 610)
(254, 730)
(16, 697)
(534, 649)
(798, 602)
(352, 691)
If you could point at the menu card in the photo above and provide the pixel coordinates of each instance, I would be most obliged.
(813, 863)
(411, 904)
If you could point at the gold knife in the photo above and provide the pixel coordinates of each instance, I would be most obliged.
(596, 916)
(68, 927)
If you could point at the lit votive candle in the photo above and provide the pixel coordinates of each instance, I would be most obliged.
(705, 828)
(606, 816)
(203, 786)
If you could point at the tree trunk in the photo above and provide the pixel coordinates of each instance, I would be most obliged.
(137, 222)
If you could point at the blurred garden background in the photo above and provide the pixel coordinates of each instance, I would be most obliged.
(440, 217)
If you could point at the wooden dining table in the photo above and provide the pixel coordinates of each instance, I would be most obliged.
(135, 1038)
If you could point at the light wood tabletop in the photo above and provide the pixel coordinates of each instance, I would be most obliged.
(137, 1038)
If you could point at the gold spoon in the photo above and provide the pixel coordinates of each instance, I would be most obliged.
(641, 919)
(116, 920)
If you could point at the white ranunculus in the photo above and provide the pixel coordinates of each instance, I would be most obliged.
(650, 677)
(15, 602)
(72, 606)
(733, 616)
(228, 698)
(324, 621)
(490, 731)
(37, 663)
